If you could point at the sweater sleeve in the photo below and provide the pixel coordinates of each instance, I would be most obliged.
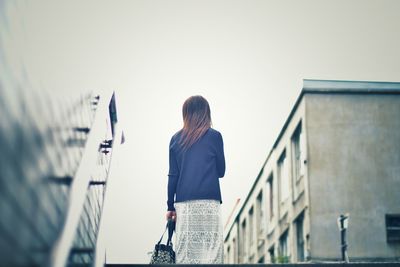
(220, 156)
(173, 176)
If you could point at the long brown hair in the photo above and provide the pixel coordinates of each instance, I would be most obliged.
(196, 120)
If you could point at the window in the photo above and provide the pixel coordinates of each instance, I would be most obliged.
(271, 252)
(228, 254)
(251, 226)
(300, 238)
(393, 228)
(243, 244)
(270, 183)
(260, 213)
(298, 148)
(283, 177)
(284, 253)
(234, 251)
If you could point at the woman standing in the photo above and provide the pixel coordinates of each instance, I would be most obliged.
(196, 162)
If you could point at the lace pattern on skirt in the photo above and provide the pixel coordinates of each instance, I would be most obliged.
(199, 233)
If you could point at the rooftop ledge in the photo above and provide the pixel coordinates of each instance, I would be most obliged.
(337, 86)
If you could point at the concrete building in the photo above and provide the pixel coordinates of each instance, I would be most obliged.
(338, 152)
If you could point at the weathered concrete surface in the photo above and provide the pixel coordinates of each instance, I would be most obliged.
(353, 166)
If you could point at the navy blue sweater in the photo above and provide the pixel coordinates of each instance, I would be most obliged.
(194, 172)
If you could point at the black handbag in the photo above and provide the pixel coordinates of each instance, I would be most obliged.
(164, 254)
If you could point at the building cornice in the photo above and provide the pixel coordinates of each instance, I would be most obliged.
(354, 87)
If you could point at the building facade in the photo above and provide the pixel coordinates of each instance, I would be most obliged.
(338, 153)
(53, 173)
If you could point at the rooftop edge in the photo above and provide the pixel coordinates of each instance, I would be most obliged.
(343, 86)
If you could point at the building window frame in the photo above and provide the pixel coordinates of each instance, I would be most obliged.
(243, 243)
(300, 240)
(392, 222)
(260, 221)
(271, 252)
(284, 248)
(298, 152)
(228, 252)
(235, 252)
(271, 195)
(283, 177)
(251, 226)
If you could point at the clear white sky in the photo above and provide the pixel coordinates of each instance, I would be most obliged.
(248, 58)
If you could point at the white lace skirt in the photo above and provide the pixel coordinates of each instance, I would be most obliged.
(199, 232)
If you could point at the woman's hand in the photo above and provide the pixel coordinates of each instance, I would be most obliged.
(171, 215)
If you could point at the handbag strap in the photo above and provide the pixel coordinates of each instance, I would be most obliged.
(171, 227)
